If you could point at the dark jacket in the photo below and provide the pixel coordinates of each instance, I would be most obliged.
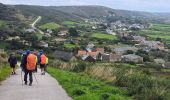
(24, 62)
(12, 60)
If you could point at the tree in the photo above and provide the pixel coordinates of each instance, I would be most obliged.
(73, 32)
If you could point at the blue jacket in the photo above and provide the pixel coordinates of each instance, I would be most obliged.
(12, 60)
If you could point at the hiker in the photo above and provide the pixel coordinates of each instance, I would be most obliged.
(43, 61)
(36, 54)
(28, 65)
(12, 61)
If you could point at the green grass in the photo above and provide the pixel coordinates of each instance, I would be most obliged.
(70, 46)
(158, 31)
(4, 72)
(51, 25)
(39, 35)
(2, 24)
(3, 45)
(106, 36)
(81, 87)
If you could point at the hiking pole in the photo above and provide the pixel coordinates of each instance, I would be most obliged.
(35, 78)
(21, 76)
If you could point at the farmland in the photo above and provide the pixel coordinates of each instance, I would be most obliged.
(51, 25)
(158, 31)
(100, 35)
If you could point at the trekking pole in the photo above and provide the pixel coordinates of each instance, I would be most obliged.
(35, 78)
(21, 76)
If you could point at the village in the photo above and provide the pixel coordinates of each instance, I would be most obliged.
(121, 45)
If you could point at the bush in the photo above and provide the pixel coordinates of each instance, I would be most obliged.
(78, 92)
(80, 67)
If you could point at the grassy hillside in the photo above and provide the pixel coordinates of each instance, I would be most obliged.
(77, 13)
(82, 87)
(48, 13)
(51, 25)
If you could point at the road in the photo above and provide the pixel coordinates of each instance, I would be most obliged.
(35, 22)
(46, 89)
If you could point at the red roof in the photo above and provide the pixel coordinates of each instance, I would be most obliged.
(81, 53)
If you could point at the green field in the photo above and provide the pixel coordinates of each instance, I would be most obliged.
(74, 24)
(51, 25)
(105, 36)
(2, 24)
(81, 87)
(158, 31)
(70, 46)
(3, 45)
(5, 71)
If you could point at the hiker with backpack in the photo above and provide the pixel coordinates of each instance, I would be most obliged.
(12, 61)
(43, 61)
(28, 65)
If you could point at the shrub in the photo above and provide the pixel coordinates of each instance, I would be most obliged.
(80, 67)
(78, 92)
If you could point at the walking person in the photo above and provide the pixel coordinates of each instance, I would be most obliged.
(43, 61)
(28, 64)
(12, 61)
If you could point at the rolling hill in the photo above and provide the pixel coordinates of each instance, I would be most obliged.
(77, 13)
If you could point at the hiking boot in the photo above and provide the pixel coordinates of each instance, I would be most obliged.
(30, 84)
(25, 83)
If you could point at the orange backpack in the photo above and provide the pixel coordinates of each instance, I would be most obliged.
(43, 59)
(31, 62)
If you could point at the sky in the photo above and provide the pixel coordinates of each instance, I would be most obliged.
(137, 5)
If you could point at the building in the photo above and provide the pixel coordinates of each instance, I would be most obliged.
(49, 31)
(153, 44)
(62, 33)
(110, 57)
(139, 38)
(132, 58)
(65, 56)
(123, 50)
(43, 44)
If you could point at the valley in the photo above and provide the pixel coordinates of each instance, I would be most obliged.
(95, 52)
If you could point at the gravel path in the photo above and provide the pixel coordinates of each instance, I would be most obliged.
(46, 89)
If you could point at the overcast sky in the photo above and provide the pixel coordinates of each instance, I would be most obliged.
(140, 5)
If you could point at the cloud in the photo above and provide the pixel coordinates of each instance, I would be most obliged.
(142, 5)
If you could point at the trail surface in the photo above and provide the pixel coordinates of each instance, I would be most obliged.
(46, 89)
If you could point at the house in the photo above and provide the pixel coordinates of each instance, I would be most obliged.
(47, 35)
(166, 65)
(100, 50)
(132, 58)
(109, 31)
(65, 56)
(123, 50)
(63, 33)
(139, 38)
(111, 57)
(90, 45)
(88, 58)
(43, 44)
(81, 53)
(153, 44)
(49, 31)
(159, 61)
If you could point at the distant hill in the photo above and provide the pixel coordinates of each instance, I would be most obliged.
(77, 13)
(48, 13)
(10, 13)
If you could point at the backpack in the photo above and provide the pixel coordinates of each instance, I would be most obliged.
(31, 62)
(43, 59)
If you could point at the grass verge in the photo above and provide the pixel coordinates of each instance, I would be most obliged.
(4, 72)
(82, 87)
